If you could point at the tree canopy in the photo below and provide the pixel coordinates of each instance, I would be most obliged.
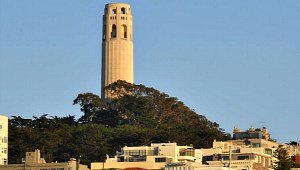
(136, 115)
(284, 161)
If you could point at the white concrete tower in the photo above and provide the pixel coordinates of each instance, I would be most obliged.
(117, 46)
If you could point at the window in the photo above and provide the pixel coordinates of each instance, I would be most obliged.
(243, 157)
(4, 150)
(135, 152)
(123, 10)
(124, 30)
(0, 126)
(104, 32)
(4, 160)
(160, 159)
(114, 11)
(186, 152)
(114, 31)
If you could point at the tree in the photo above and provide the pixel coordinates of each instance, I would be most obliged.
(147, 107)
(89, 105)
(284, 161)
(136, 115)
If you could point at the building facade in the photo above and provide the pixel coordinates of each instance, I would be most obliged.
(251, 133)
(3, 140)
(250, 149)
(155, 156)
(117, 46)
(34, 161)
(241, 153)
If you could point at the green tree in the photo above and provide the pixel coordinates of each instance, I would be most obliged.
(147, 107)
(284, 161)
(136, 115)
(89, 105)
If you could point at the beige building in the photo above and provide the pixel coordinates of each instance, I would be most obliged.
(117, 46)
(239, 157)
(250, 149)
(251, 133)
(33, 161)
(168, 156)
(3, 140)
(148, 157)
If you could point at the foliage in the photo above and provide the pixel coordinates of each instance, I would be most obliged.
(284, 161)
(136, 115)
(90, 104)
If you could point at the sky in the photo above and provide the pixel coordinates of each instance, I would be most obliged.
(235, 62)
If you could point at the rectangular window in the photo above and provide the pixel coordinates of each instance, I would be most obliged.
(0, 126)
(243, 157)
(160, 159)
(4, 150)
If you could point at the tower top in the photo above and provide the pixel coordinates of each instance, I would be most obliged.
(117, 8)
(116, 4)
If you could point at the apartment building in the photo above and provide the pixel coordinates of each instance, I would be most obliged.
(34, 161)
(250, 149)
(3, 140)
(149, 157)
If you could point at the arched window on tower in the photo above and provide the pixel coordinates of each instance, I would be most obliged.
(123, 10)
(114, 31)
(124, 31)
(113, 11)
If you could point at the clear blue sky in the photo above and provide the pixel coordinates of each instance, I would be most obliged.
(236, 62)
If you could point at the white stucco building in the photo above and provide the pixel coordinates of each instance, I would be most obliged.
(242, 153)
(3, 140)
(168, 156)
(34, 161)
(250, 149)
(148, 157)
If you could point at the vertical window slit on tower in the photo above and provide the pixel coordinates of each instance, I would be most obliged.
(104, 31)
(114, 31)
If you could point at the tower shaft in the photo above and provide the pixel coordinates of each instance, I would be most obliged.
(117, 46)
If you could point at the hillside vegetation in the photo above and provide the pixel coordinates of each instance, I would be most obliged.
(137, 115)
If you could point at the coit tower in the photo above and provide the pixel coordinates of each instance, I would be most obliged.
(117, 46)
